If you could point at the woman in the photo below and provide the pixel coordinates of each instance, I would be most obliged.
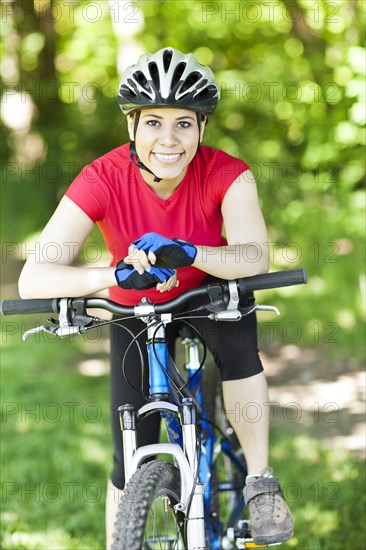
(161, 186)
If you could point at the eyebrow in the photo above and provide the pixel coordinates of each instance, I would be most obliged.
(161, 118)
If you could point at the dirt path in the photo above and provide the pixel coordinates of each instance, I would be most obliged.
(327, 398)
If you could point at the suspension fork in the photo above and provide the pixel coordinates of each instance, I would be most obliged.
(188, 417)
(196, 520)
(196, 515)
(192, 363)
(159, 393)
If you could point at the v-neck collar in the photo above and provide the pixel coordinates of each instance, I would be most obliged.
(173, 197)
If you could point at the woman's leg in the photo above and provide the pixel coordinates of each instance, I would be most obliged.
(247, 408)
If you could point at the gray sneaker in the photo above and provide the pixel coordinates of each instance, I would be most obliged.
(270, 517)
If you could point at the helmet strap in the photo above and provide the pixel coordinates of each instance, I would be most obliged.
(138, 163)
(199, 122)
(133, 152)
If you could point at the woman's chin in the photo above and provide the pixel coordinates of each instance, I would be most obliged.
(167, 172)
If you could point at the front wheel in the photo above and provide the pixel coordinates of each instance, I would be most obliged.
(146, 517)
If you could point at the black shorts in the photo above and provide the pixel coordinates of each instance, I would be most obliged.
(234, 349)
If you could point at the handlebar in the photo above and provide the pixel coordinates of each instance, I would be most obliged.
(216, 292)
(26, 307)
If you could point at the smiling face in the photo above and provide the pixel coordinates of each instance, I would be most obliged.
(166, 141)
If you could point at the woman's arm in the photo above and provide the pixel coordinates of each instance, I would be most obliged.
(247, 251)
(48, 272)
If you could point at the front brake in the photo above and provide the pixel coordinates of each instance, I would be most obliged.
(72, 319)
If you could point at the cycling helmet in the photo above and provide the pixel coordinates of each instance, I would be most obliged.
(168, 78)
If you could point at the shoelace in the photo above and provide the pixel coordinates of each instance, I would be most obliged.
(265, 509)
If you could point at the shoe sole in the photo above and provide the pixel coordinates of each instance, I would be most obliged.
(281, 537)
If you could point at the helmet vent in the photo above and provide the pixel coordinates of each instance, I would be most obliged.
(179, 70)
(154, 71)
(167, 57)
(141, 79)
(208, 92)
(190, 81)
(128, 90)
(145, 94)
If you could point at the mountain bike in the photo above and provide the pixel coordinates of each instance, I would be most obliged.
(186, 493)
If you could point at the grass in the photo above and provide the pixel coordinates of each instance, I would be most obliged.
(56, 449)
(324, 489)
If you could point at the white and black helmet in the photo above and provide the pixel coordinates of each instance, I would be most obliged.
(168, 78)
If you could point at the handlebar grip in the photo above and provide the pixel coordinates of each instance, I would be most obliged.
(26, 307)
(273, 280)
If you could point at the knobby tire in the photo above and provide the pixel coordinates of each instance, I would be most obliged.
(151, 483)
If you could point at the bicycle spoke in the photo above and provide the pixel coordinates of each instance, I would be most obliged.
(162, 530)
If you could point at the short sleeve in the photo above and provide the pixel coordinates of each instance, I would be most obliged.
(225, 170)
(90, 192)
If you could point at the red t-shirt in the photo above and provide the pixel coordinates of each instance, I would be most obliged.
(112, 192)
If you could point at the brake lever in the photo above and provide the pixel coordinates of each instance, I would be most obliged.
(267, 308)
(63, 327)
(57, 330)
(252, 309)
(237, 314)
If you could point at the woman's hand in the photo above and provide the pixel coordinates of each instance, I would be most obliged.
(143, 262)
(139, 259)
(168, 284)
(162, 252)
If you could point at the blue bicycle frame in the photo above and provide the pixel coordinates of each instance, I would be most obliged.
(160, 386)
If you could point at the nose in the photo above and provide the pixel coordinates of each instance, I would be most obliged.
(167, 136)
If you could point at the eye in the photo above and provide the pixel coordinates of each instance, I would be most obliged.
(153, 122)
(184, 124)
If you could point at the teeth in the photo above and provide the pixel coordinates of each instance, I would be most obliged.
(163, 156)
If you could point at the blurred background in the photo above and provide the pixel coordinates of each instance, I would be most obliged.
(291, 74)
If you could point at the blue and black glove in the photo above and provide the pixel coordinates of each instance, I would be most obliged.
(169, 253)
(127, 277)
